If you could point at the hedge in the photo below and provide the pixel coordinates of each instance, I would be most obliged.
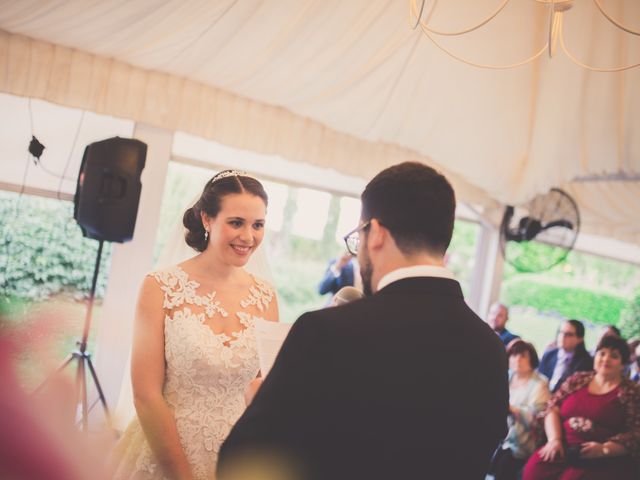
(630, 318)
(43, 252)
(565, 301)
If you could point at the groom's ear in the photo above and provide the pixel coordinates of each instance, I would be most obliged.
(377, 236)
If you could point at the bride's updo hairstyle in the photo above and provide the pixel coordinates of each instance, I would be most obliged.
(225, 183)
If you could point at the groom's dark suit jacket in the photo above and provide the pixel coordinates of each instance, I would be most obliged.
(408, 383)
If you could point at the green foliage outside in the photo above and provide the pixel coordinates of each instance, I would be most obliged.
(534, 256)
(46, 269)
(586, 271)
(541, 328)
(630, 318)
(564, 301)
(593, 289)
(297, 288)
(43, 252)
(298, 264)
(462, 252)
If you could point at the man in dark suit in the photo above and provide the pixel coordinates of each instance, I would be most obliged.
(406, 383)
(569, 357)
(340, 273)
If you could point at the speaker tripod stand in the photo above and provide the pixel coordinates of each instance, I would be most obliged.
(83, 358)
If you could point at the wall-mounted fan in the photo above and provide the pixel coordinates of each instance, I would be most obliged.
(540, 234)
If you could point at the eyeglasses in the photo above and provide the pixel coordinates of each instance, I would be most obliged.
(567, 334)
(352, 239)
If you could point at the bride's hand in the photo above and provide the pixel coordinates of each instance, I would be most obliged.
(252, 389)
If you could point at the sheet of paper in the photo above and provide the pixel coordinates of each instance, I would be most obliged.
(269, 338)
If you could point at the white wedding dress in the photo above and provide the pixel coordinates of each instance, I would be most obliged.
(206, 375)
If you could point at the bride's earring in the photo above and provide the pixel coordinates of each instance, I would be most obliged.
(206, 236)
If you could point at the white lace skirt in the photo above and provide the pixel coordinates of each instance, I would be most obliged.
(133, 459)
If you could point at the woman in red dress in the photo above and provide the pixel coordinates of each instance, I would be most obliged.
(592, 423)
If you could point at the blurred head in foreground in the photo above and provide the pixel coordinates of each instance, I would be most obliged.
(38, 438)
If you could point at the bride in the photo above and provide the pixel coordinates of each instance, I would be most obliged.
(194, 349)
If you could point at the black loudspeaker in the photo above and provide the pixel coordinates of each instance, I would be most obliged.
(108, 189)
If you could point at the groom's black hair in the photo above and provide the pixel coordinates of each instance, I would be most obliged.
(415, 203)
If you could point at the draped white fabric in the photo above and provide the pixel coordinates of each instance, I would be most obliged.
(349, 85)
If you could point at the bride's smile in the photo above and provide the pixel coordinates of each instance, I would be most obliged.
(238, 228)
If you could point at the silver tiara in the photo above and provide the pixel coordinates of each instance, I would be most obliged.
(232, 173)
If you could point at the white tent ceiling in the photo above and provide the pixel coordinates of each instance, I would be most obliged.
(348, 84)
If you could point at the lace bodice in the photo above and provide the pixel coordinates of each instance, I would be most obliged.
(207, 373)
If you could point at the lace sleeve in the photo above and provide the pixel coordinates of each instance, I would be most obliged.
(163, 281)
(176, 287)
(261, 294)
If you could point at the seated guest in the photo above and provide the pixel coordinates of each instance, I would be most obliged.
(592, 423)
(497, 319)
(569, 357)
(528, 395)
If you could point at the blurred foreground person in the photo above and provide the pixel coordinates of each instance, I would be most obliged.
(371, 389)
(38, 439)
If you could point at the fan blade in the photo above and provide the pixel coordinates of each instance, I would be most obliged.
(557, 223)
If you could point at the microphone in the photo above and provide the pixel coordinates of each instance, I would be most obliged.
(346, 295)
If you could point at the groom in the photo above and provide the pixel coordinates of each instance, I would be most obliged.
(406, 383)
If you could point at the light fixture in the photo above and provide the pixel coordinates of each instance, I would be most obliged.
(557, 9)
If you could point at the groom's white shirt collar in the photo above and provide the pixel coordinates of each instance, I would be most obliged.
(414, 271)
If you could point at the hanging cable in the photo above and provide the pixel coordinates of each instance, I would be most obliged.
(616, 23)
(54, 174)
(589, 67)
(487, 66)
(557, 8)
(413, 9)
(66, 165)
